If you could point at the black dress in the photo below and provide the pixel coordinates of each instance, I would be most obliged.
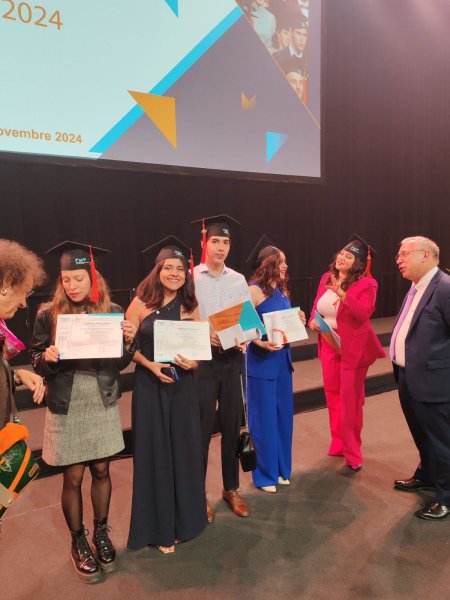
(168, 483)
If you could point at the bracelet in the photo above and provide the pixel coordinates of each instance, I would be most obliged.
(17, 379)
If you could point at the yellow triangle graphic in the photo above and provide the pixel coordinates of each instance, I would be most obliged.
(246, 103)
(161, 110)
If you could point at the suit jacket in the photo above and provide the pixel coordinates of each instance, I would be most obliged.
(287, 62)
(360, 346)
(427, 344)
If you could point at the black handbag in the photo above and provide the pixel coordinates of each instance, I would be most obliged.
(245, 448)
(246, 452)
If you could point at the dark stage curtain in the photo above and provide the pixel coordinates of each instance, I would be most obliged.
(386, 167)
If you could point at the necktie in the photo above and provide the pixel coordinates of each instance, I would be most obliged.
(406, 307)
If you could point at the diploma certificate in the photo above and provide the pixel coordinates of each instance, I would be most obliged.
(188, 338)
(284, 326)
(237, 323)
(89, 336)
(328, 334)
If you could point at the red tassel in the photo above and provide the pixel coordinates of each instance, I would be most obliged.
(191, 264)
(203, 259)
(94, 289)
(367, 272)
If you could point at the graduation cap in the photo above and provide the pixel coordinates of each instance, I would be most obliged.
(170, 247)
(74, 256)
(299, 21)
(216, 225)
(264, 248)
(361, 249)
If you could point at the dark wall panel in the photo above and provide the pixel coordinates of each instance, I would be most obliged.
(386, 158)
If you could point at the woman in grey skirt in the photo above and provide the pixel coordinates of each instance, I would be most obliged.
(82, 426)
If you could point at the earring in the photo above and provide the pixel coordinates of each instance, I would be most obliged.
(3, 292)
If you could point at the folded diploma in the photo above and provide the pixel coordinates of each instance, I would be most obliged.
(237, 324)
(284, 326)
(327, 333)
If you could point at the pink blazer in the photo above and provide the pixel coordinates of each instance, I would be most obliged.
(360, 346)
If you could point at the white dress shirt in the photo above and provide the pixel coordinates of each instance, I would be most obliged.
(214, 293)
(421, 286)
(327, 306)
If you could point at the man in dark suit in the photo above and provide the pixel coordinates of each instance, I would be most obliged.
(420, 350)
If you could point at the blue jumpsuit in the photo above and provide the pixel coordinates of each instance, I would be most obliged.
(270, 403)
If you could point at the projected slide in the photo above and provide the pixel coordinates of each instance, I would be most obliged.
(232, 85)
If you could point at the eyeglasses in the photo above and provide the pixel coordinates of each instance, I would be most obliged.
(30, 293)
(405, 253)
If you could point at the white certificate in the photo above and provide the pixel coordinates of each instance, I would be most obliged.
(188, 338)
(284, 325)
(89, 336)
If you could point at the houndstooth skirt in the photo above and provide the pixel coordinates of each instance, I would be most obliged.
(88, 432)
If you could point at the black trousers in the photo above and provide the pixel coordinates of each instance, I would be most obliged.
(219, 380)
(429, 423)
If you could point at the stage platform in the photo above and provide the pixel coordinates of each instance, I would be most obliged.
(308, 388)
(331, 534)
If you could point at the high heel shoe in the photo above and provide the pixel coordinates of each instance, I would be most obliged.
(282, 481)
(166, 549)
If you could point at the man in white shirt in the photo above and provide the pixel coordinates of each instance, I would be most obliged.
(219, 380)
(420, 350)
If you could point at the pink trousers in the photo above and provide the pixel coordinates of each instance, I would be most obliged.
(344, 392)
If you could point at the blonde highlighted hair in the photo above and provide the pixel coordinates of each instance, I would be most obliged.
(61, 304)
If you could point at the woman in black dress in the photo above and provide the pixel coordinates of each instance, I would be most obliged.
(168, 487)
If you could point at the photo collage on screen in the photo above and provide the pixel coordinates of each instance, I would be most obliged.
(282, 26)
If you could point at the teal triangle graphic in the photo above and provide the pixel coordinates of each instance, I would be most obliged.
(274, 141)
(173, 5)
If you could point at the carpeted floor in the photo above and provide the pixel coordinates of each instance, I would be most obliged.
(331, 534)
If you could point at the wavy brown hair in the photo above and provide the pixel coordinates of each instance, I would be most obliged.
(61, 304)
(355, 273)
(267, 272)
(16, 262)
(151, 292)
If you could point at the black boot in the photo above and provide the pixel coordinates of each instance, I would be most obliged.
(106, 553)
(86, 565)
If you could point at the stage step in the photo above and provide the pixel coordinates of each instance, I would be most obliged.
(308, 395)
(301, 352)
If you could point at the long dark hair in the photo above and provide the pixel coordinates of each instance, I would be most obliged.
(269, 271)
(151, 292)
(356, 271)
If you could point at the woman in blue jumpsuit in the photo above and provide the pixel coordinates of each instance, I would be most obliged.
(269, 374)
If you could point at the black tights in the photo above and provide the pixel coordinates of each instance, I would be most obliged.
(71, 499)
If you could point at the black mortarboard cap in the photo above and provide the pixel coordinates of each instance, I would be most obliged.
(74, 255)
(299, 21)
(359, 247)
(217, 225)
(263, 248)
(169, 247)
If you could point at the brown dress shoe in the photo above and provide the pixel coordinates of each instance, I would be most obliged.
(236, 503)
(209, 512)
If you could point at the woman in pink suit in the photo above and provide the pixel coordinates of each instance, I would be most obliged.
(346, 300)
